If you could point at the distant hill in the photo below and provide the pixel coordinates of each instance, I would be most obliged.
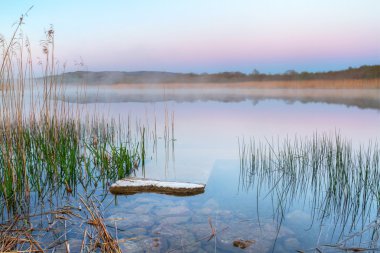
(114, 77)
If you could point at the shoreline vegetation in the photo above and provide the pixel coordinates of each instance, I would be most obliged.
(46, 144)
(292, 84)
(359, 87)
(368, 75)
(55, 160)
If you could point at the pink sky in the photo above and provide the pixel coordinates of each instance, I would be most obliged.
(200, 36)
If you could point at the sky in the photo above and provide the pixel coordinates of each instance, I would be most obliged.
(199, 36)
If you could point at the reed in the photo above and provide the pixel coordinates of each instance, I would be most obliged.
(340, 181)
(45, 143)
(52, 153)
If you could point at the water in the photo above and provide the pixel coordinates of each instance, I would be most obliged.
(207, 131)
(205, 149)
(198, 140)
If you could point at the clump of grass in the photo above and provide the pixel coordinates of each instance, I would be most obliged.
(45, 145)
(13, 237)
(50, 151)
(30, 232)
(342, 180)
(103, 239)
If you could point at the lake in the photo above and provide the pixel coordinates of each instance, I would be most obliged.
(202, 145)
(285, 169)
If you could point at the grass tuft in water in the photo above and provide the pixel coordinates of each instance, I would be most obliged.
(340, 181)
(46, 144)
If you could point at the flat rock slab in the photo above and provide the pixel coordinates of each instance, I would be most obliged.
(133, 185)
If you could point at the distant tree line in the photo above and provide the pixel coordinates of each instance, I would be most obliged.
(363, 72)
(111, 77)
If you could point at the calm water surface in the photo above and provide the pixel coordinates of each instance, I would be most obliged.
(208, 131)
(205, 149)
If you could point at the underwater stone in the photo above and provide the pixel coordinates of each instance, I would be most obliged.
(175, 210)
(175, 220)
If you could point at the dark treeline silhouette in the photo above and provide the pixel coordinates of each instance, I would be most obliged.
(114, 77)
(363, 72)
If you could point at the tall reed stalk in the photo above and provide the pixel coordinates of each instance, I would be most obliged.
(47, 144)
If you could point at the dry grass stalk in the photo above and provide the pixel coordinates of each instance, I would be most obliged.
(48, 121)
(14, 238)
(104, 239)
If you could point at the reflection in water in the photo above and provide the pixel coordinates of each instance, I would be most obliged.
(337, 181)
(362, 98)
(308, 196)
(207, 131)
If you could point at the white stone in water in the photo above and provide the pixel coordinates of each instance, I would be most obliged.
(136, 185)
(137, 182)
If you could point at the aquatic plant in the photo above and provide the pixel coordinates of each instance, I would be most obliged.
(47, 144)
(339, 180)
(51, 150)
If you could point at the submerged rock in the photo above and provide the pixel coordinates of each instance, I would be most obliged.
(179, 237)
(205, 211)
(264, 234)
(242, 244)
(211, 203)
(130, 220)
(130, 247)
(143, 209)
(175, 220)
(153, 244)
(175, 210)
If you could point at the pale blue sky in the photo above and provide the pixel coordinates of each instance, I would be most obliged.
(205, 36)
